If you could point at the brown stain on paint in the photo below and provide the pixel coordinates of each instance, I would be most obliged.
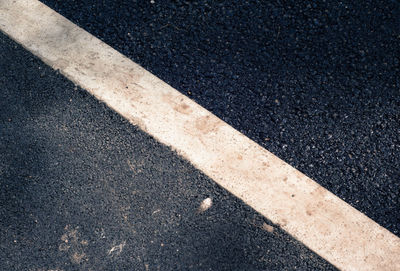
(178, 105)
(299, 175)
(60, 64)
(183, 108)
(319, 192)
(93, 55)
(283, 222)
(325, 216)
(207, 124)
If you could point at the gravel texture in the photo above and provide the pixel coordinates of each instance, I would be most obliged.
(317, 83)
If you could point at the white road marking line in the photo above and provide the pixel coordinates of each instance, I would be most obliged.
(330, 227)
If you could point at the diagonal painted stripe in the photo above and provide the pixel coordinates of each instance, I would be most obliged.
(330, 227)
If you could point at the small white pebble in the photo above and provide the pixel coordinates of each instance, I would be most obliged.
(205, 204)
(152, 1)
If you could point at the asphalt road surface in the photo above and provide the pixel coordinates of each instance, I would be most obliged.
(83, 189)
(317, 83)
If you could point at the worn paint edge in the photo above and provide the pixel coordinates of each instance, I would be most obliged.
(323, 222)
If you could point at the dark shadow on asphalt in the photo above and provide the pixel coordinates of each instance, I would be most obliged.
(82, 189)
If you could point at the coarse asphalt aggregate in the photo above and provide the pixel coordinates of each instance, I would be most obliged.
(316, 83)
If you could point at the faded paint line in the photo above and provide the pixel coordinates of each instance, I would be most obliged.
(327, 225)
